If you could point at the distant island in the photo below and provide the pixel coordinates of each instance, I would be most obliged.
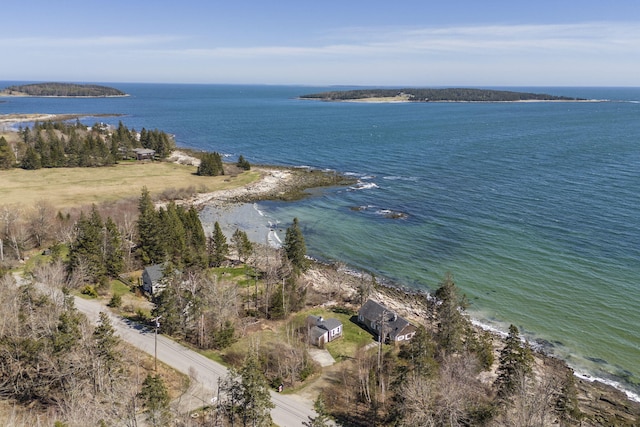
(434, 95)
(62, 90)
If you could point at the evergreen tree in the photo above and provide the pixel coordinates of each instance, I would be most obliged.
(172, 234)
(31, 159)
(218, 247)
(243, 163)
(419, 353)
(68, 333)
(322, 419)
(295, 248)
(113, 252)
(452, 324)
(210, 165)
(256, 399)
(516, 361)
(195, 238)
(242, 245)
(481, 344)
(155, 398)
(7, 157)
(167, 305)
(86, 249)
(150, 245)
(107, 355)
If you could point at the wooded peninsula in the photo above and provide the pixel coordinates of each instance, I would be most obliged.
(434, 95)
(61, 89)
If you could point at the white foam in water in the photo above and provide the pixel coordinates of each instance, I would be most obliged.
(584, 376)
(364, 186)
(631, 395)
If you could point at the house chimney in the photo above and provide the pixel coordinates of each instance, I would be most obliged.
(320, 319)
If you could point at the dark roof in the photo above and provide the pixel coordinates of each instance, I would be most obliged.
(316, 332)
(327, 324)
(376, 312)
(154, 272)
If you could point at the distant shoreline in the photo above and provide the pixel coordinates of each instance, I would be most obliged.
(438, 95)
(403, 100)
(7, 94)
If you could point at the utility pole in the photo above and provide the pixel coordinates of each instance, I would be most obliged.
(156, 320)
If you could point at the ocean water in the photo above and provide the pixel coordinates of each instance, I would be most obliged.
(533, 207)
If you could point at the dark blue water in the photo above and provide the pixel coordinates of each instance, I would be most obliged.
(534, 207)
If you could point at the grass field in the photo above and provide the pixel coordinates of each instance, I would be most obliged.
(66, 187)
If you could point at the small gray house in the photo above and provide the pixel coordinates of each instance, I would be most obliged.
(152, 279)
(144, 153)
(385, 323)
(322, 330)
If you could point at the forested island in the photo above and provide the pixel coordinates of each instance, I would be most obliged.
(434, 95)
(61, 89)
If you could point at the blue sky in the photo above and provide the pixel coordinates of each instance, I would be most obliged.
(346, 42)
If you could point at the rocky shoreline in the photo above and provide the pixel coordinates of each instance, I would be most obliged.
(601, 404)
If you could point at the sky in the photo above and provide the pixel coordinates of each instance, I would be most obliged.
(330, 42)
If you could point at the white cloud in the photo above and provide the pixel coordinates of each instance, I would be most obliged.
(78, 42)
(472, 40)
(589, 53)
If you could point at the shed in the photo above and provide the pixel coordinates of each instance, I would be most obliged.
(322, 330)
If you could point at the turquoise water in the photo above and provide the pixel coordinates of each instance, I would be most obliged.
(534, 207)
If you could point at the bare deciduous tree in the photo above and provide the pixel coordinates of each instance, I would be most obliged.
(40, 221)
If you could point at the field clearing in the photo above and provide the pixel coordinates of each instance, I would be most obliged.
(68, 187)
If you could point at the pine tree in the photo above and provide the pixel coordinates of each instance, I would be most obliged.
(68, 333)
(242, 245)
(173, 234)
(295, 248)
(31, 159)
(195, 238)
(516, 361)
(210, 165)
(452, 324)
(107, 355)
(86, 250)
(150, 245)
(155, 398)
(243, 163)
(420, 353)
(218, 247)
(7, 157)
(322, 419)
(256, 399)
(113, 252)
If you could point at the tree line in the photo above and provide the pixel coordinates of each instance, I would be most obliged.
(438, 95)
(64, 89)
(58, 144)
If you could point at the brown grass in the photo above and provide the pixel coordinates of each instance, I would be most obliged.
(67, 187)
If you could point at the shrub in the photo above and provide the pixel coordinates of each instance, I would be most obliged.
(89, 291)
(115, 301)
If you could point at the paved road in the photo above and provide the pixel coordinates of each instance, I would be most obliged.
(290, 411)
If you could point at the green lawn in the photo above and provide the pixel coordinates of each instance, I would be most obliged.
(353, 335)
